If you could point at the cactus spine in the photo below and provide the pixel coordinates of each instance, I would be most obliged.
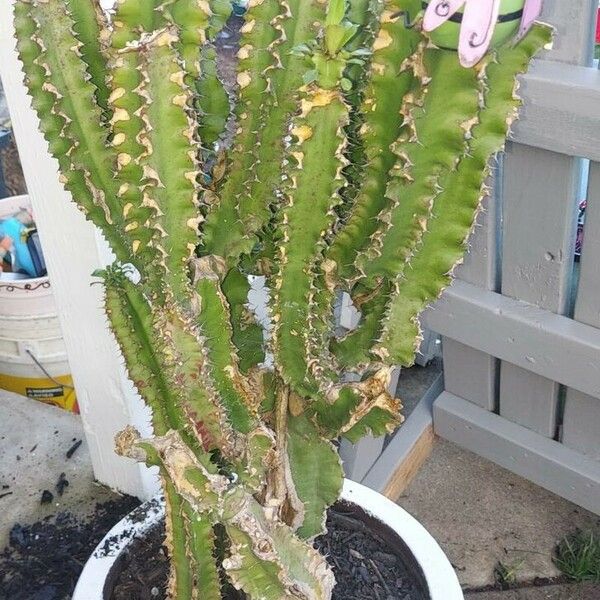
(358, 163)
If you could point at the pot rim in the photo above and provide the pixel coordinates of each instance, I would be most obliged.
(439, 575)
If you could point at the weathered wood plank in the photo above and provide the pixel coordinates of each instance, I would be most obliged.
(544, 462)
(581, 421)
(562, 109)
(574, 23)
(472, 372)
(539, 218)
(539, 225)
(358, 458)
(535, 339)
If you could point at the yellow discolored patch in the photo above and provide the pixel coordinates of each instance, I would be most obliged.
(177, 77)
(318, 99)
(120, 114)
(150, 202)
(151, 174)
(180, 100)
(131, 226)
(244, 51)
(165, 38)
(384, 39)
(119, 139)
(49, 87)
(205, 7)
(244, 79)
(299, 156)
(191, 176)
(389, 16)
(378, 68)
(123, 159)
(248, 26)
(116, 94)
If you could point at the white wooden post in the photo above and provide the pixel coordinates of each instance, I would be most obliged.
(73, 250)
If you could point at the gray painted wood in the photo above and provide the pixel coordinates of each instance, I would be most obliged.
(539, 214)
(469, 373)
(539, 218)
(429, 348)
(574, 22)
(530, 337)
(545, 462)
(581, 422)
(562, 109)
(539, 222)
(405, 439)
(358, 458)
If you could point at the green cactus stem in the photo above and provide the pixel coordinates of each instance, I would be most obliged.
(358, 164)
(444, 242)
(394, 67)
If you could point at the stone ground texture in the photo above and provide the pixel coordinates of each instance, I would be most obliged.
(554, 592)
(482, 514)
(34, 440)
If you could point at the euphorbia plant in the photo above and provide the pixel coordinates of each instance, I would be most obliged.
(358, 162)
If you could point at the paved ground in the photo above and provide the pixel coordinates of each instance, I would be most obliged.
(34, 440)
(481, 515)
(554, 592)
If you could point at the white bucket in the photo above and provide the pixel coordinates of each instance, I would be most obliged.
(33, 357)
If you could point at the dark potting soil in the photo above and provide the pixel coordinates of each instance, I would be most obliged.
(369, 562)
(43, 560)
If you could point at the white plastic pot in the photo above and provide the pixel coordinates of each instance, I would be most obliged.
(438, 573)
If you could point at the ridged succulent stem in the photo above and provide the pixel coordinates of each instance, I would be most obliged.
(358, 163)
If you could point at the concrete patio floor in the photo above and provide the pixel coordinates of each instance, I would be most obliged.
(552, 592)
(479, 513)
(482, 515)
(34, 441)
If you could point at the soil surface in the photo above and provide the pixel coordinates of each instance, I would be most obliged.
(367, 564)
(43, 560)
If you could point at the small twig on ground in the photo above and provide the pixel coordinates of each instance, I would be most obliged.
(73, 448)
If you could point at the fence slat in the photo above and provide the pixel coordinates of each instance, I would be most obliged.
(539, 241)
(562, 111)
(574, 23)
(530, 337)
(469, 373)
(581, 422)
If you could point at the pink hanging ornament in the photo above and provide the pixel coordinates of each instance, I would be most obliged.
(479, 24)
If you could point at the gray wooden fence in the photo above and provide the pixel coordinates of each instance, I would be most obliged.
(521, 325)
